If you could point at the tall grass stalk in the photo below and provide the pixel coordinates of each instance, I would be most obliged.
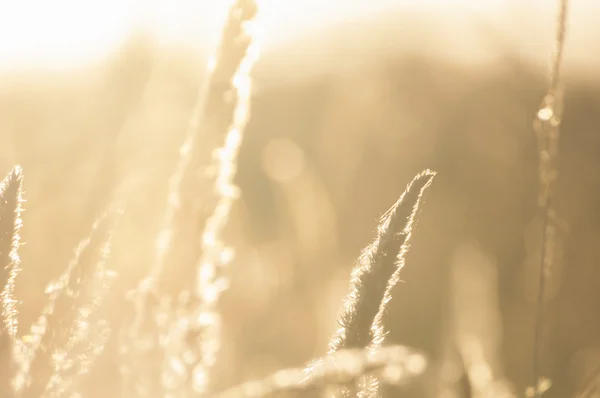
(377, 271)
(376, 274)
(11, 197)
(176, 315)
(67, 337)
(215, 253)
(547, 127)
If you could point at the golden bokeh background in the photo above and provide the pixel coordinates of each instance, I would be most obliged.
(350, 102)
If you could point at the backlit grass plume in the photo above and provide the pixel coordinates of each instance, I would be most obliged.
(356, 360)
(67, 337)
(62, 343)
(374, 277)
(203, 319)
(11, 197)
(396, 364)
(175, 336)
(377, 271)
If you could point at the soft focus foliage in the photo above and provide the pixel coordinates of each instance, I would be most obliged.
(324, 154)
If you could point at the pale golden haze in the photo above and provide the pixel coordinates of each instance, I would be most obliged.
(66, 33)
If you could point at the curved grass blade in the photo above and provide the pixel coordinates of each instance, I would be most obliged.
(377, 270)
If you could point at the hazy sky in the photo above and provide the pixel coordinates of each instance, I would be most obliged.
(68, 32)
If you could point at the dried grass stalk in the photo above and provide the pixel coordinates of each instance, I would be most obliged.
(176, 325)
(378, 270)
(67, 337)
(374, 277)
(396, 364)
(11, 197)
(547, 127)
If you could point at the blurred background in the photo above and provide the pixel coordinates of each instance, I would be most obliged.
(351, 100)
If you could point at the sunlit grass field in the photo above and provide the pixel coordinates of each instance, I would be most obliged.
(347, 105)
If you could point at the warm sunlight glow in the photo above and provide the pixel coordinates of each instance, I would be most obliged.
(60, 31)
(64, 33)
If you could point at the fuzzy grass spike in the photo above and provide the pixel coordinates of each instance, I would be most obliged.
(11, 197)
